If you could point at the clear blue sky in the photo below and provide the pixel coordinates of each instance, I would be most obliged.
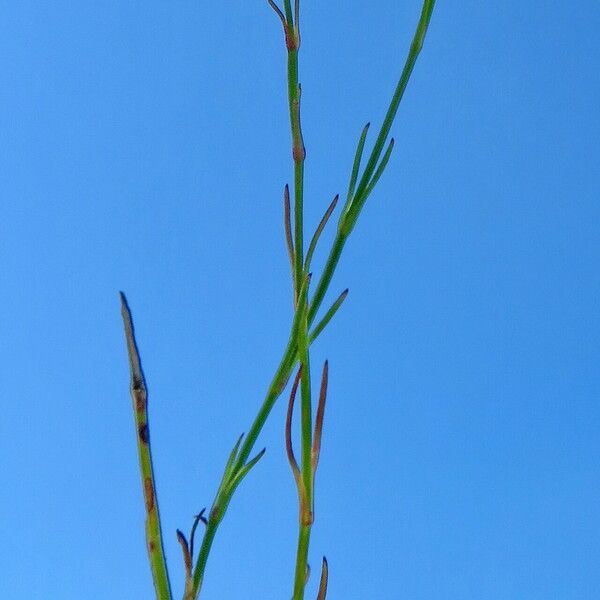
(144, 146)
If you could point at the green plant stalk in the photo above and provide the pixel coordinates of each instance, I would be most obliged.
(207, 541)
(139, 395)
(290, 357)
(277, 386)
(301, 572)
(306, 508)
(413, 53)
(327, 275)
(279, 381)
(222, 500)
(298, 150)
(350, 212)
(292, 35)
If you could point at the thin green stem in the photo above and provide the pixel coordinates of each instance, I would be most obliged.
(139, 395)
(207, 541)
(283, 373)
(306, 420)
(298, 155)
(222, 500)
(306, 503)
(347, 221)
(301, 562)
(415, 49)
(226, 491)
(297, 349)
(327, 275)
(287, 6)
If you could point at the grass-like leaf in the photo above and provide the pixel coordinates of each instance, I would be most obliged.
(328, 316)
(318, 231)
(356, 167)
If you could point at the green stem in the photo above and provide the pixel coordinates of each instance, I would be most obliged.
(292, 353)
(301, 562)
(298, 154)
(347, 221)
(287, 7)
(221, 503)
(306, 505)
(327, 275)
(306, 415)
(139, 395)
(413, 53)
(207, 541)
(283, 373)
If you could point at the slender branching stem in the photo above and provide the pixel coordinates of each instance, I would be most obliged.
(298, 151)
(301, 573)
(361, 193)
(306, 507)
(297, 348)
(241, 452)
(139, 395)
(293, 352)
(357, 197)
(207, 541)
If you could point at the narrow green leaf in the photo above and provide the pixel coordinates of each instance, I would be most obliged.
(229, 467)
(328, 316)
(413, 53)
(300, 308)
(355, 168)
(241, 473)
(380, 168)
(359, 201)
(287, 224)
(319, 230)
(232, 455)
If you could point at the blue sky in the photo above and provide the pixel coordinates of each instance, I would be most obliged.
(144, 148)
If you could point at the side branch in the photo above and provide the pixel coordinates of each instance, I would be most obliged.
(156, 556)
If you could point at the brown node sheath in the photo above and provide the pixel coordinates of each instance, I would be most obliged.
(298, 153)
(292, 41)
(307, 517)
